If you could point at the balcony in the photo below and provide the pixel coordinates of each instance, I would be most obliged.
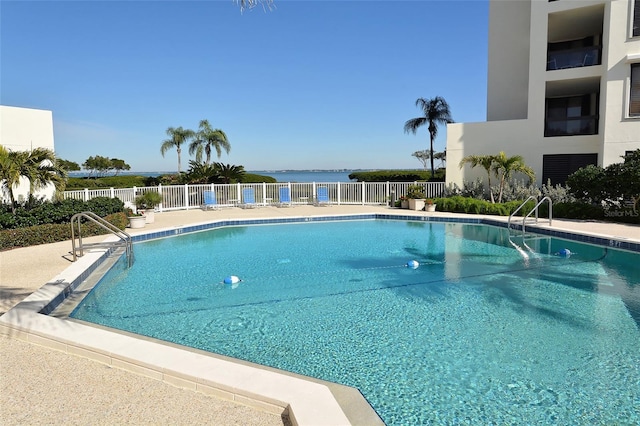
(573, 58)
(573, 126)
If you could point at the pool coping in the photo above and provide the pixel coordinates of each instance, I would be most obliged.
(305, 400)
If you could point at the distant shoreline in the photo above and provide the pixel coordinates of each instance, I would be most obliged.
(129, 173)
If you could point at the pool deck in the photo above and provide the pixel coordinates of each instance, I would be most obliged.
(117, 378)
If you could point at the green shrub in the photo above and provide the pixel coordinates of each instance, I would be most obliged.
(459, 204)
(576, 210)
(254, 178)
(148, 200)
(416, 192)
(125, 181)
(103, 206)
(54, 232)
(58, 212)
(392, 176)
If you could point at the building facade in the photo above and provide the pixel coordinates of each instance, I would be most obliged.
(22, 129)
(563, 88)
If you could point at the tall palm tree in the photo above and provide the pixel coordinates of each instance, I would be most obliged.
(178, 136)
(505, 167)
(207, 138)
(484, 161)
(436, 111)
(39, 166)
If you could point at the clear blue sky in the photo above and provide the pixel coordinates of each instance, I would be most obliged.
(310, 84)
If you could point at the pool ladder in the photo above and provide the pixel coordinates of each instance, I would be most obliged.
(527, 218)
(79, 250)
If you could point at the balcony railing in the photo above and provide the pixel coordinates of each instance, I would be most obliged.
(585, 125)
(185, 197)
(574, 58)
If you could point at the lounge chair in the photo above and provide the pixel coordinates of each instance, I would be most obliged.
(285, 197)
(248, 199)
(322, 196)
(210, 201)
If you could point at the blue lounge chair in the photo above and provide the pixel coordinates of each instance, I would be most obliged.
(210, 201)
(285, 197)
(322, 196)
(248, 199)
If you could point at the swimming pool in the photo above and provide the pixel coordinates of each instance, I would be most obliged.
(479, 333)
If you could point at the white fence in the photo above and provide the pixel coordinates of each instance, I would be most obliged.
(181, 197)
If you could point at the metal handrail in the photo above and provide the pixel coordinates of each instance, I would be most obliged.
(535, 209)
(105, 225)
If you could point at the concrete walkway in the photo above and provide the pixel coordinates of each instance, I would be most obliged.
(41, 385)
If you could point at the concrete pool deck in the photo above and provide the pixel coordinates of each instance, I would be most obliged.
(38, 389)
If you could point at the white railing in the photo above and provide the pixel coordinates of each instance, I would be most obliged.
(181, 197)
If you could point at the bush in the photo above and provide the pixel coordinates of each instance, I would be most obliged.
(459, 204)
(125, 181)
(474, 189)
(416, 192)
(58, 212)
(254, 178)
(104, 206)
(148, 200)
(575, 210)
(392, 176)
(55, 232)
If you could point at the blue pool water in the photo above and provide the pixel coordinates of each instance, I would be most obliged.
(480, 333)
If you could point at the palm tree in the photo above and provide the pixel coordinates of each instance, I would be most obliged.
(39, 166)
(505, 167)
(436, 111)
(207, 138)
(177, 137)
(228, 173)
(485, 161)
(250, 4)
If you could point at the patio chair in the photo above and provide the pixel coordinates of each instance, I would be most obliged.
(248, 199)
(210, 201)
(322, 196)
(285, 197)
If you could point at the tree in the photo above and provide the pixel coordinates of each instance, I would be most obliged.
(486, 162)
(201, 173)
(442, 156)
(504, 167)
(423, 157)
(178, 136)
(207, 138)
(250, 4)
(228, 173)
(38, 166)
(69, 166)
(618, 182)
(99, 165)
(119, 165)
(436, 111)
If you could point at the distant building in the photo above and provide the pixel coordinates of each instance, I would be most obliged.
(22, 129)
(563, 88)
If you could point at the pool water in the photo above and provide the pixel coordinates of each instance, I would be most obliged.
(482, 332)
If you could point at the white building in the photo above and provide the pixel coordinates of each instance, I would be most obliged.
(563, 88)
(22, 129)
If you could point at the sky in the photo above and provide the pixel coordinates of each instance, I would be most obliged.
(305, 85)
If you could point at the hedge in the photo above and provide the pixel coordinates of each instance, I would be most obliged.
(54, 232)
(58, 212)
(396, 176)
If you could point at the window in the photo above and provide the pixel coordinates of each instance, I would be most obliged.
(573, 115)
(558, 167)
(634, 95)
(636, 18)
(582, 52)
